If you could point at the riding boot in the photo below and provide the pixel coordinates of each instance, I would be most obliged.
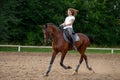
(70, 30)
(74, 47)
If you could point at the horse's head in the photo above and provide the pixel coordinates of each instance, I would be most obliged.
(50, 30)
(47, 34)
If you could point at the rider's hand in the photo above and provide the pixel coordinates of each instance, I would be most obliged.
(63, 25)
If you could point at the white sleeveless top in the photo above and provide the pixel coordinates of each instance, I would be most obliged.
(68, 21)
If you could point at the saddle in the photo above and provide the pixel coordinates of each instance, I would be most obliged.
(70, 39)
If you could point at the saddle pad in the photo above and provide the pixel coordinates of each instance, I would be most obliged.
(75, 37)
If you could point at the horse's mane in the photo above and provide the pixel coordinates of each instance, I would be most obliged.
(53, 25)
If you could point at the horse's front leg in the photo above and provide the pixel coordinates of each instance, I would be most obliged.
(51, 62)
(61, 62)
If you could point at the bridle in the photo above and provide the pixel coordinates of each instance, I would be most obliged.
(47, 36)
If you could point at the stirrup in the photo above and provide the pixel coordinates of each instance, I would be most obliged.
(74, 47)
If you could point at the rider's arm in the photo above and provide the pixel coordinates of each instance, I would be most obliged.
(71, 23)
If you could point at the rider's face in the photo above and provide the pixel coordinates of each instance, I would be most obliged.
(69, 12)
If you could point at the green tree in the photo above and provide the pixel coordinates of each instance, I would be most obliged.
(20, 19)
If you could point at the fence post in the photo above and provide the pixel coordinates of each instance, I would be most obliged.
(19, 48)
(112, 51)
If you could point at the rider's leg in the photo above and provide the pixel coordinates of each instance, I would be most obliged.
(71, 35)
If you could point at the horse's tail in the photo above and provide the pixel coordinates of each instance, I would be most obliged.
(91, 39)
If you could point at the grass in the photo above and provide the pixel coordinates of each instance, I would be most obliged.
(8, 49)
(15, 49)
(36, 50)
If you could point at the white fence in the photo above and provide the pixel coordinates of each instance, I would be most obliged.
(19, 47)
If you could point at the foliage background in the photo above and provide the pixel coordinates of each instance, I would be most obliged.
(20, 20)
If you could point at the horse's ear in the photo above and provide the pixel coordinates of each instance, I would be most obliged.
(44, 26)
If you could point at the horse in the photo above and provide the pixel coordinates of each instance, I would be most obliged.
(59, 44)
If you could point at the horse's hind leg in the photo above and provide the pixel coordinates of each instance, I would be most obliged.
(86, 61)
(81, 51)
(81, 60)
(87, 65)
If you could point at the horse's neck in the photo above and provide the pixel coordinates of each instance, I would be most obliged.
(56, 35)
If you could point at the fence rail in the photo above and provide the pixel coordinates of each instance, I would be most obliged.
(20, 46)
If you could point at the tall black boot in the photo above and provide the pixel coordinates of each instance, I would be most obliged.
(74, 47)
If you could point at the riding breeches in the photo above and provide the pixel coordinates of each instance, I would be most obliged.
(70, 30)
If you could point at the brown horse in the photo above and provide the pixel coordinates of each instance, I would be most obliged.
(60, 45)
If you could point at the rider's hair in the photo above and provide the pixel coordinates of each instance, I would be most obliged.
(73, 11)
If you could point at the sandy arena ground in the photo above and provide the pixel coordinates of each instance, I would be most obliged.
(31, 66)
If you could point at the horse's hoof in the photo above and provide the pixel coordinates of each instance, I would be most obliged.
(46, 75)
(74, 73)
(91, 69)
(69, 67)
